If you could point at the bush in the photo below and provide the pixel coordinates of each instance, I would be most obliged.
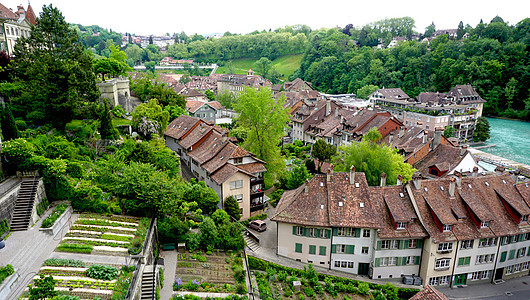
(61, 262)
(5, 272)
(309, 292)
(77, 248)
(57, 212)
(4, 227)
(241, 289)
(42, 206)
(102, 272)
(364, 289)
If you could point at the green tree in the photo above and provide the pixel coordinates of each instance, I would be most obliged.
(265, 118)
(460, 31)
(263, 65)
(429, 30)
(149, 118)
(54, 70)
(7, 123)
(232, 208)
(297, 177)
(210, 95)
(366, 90)
(204, 196)
(323, 152)
(482, 130)
(449, 131)
(106, 129)
(150, 66)
(220, 217)
(208, 234)
(174, 111)
(373, 159)
(44, 288)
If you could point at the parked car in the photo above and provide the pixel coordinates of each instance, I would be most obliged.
(2, 243)
(258, 225)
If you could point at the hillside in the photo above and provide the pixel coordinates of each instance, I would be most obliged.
(285, 64)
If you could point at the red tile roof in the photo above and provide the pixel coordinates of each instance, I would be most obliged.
(429, 293)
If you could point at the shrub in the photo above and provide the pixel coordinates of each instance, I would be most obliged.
(57, 212)
(364, 289)
(198, 257)
(78, 248)
(4, 227)
(377, 295)
(61, 262)
(241, 289)
(66, 297)
(309, 292)
(122, 285)
(5, 272)
(102, 272)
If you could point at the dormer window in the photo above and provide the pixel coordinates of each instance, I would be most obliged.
(485, 224)
(447, 228)
(524, 218)
(238, 160)
(401, 225)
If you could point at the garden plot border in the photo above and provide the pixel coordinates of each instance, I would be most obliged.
(59, 223)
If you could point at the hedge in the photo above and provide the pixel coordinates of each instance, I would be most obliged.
(5, 272)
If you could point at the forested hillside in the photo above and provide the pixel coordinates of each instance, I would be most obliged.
(494, 59)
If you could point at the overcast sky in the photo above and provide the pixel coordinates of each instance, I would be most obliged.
(243, 16)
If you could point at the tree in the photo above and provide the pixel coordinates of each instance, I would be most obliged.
(150, 40)
(323, 152)
(449, 131)
(265, 118)
(297, 177)
(263, 65)
(208, 234)
(149, 118)
(429, 30)
(44, 288)
(150, 66)
(482, 130)
(55, 71)
(205, 197)
(220, 217)
(460, 30)
(373, 159)
(209, 94)
(366, 91)
(5, 68)
(7, 123)
(232, 208)
(106, 129)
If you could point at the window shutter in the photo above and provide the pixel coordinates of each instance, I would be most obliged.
(350, 249)
(417, 260)
(528, 251)
(322, 250)
(318, 232)
(503, 256)
(510, 240)
(521, 237)
(401, 244)
(378, 245)
(377, 262)
(357, 232)
(333, 248)
(294, 230)
(312, 249)
(405, 244)
(306, 231)
(398, 261)
(467, 260)
(512, 254)
(460, 261)
(335, 231)
(419, 244)
(405, 259)
(328, 235)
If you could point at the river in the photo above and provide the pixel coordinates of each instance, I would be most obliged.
(512, 139)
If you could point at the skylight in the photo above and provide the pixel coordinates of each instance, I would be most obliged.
(486, 183)
(341, 203)
(441, 188)
(469, 186)
(401, 195)
(361, 204)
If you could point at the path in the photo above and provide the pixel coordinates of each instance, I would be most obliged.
(27, 250)
(497, 160)
(518, 287)
(170, 266)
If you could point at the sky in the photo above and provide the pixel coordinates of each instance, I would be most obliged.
(159, 17)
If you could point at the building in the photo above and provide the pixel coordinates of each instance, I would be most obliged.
(414, 143)
(14, 25)
(234, 83)
(447, 159)
(429, 293)
(206, 152)
(208, 111)
(193, 95)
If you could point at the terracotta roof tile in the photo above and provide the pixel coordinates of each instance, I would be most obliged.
(193, 105)
(180, 126)
(253, 168)
(429, 293)
(448, 156)
(195, 135)
(216, 105)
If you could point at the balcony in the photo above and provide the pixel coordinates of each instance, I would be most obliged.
(256, 194)
(255, 181)
(256, 207)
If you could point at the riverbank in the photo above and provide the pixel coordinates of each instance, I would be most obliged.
(512, 140)
(500, 161)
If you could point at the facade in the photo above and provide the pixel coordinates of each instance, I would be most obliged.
(234, 83)
(14, 25)
(208, 111)
(207, 152)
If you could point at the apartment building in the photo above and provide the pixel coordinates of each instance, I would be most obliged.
(14, 25)
(208, 153)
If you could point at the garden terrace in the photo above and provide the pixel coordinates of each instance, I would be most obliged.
(107, 235)
(214, 272)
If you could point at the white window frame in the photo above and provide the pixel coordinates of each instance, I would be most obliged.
(299, 230)
(365, 250)
(341, 248)
(411, 260)
(394, 244)
(447, 246)
(467, 244)
(366, 233)
(392, 261)
(447, 228)
(236, 184)
(323, 234)
(485, 224)
(413, 243)
(442, 263)
(239, 197)
(488, 242)
(401, 225)
(312, 232)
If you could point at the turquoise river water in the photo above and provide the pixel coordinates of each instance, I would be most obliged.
(512, 139)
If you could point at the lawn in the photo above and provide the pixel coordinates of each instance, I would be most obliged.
(285, 65)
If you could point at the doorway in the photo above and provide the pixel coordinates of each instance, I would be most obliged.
(460, 279)
(364, 268)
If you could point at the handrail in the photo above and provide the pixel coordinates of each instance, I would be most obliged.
(29, 206)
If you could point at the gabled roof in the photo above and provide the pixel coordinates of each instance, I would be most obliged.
(209, 147)
(429, 293)
(524, 190)
(193, 105)
(6, 13)
(444, 157)
(477, 207)
(215, 105)
(514, 201)
(227, 171)
(181, 125)
(442, 212)
(30, 15)
(195, 135)
(393, 93)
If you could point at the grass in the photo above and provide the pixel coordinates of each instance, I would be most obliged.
(285, 65)
(77, 248)
(120, 121)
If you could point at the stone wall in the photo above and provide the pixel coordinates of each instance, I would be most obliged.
(8, 198)
(118, 92)
(41, 194)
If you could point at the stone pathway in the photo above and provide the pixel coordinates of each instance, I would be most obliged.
(170, 266)
(27, 250)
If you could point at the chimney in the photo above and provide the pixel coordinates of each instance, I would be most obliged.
(328, 107)
(306, 188)
(463, 150)
(352, 174)
(437, 137)
(425, 137)
(390, 138)
(336, 112)
(383, 179)
(475, 171)
(458, 178)
(499, 170)
(452, 184)
(401, 132)
(399, 180)
(416, 177)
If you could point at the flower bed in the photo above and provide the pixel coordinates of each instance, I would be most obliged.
(5, 272)
(57, 212)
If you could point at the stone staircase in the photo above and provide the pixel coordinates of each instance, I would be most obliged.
(24, 204)
(148, 283)
(251, 243)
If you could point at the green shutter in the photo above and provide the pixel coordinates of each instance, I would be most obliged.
(503, 256)
(335, 231)
(521, 237)
(377, 262)
(467, 260)
(512, 254)
(510, 240)
(322, 250)
(528, 251)
(481, 241)
(398, 261)
(328, 235)
(318, 232)
(417, 260)
(461, 261)
(404, 260)
(333, 248)
(378, 245)
(306, 231)
(294, 230)
(350, 249)
(357, 232)
(405, 244)
(298, 248)
(419, 244)
(312, 249)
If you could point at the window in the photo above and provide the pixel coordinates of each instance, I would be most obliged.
(345, 231)
(413, 243)
(236, 184)
(238, 160)
(442, 263)
(239, 197)
(515, 238)
(322, 250)
(485, 259)
(511, 254)
(441, 280)
(475, 275)
(337, 264)
(484, 224)
(366, 232)
(298, 248)
(445, 247)
(312, 249)
(524, 218)
(299, 230)
(312, 232)
(401, 225)
(341, 248)
(343, 264)
(350, 264)
(464, 261)
(324, 234)
(447, 228)
(486, 274)
(487, 242)
(503, 256)
(392, 261)
(364, 250)
(467, 244)
(509, 270)
(394, 244)
(411, 260)
(521, 252)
